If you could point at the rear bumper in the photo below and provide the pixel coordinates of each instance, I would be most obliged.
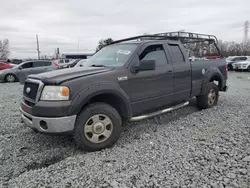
(49, 125)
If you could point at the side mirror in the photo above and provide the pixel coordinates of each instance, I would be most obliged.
(144, 65)
(20, 68)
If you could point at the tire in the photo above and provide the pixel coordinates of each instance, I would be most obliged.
(230, 67)
(210, 98)
(93, 122)
(10, 78)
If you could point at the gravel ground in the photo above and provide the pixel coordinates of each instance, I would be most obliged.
(184, 148)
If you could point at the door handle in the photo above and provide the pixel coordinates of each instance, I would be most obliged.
(170, 71)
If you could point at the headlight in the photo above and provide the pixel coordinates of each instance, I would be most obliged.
(55, 93)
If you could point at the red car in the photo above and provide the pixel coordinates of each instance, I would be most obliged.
(5, 66)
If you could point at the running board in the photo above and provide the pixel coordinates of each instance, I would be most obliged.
(138, 118)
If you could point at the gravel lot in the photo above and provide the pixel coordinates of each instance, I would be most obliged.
(185, 148)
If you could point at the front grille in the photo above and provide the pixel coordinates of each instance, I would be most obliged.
(30, 90)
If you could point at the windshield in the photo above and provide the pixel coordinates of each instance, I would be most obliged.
(230, 58)
(113, 55)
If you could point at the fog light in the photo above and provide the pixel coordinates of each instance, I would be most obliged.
(43, 125)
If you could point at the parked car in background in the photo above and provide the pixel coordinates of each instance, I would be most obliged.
(72, 63)
(81, 63)
(235, 59)
(62, 63)
(16, 61)
(20, 72)
(242, 65)
(4, 66)
(212, 57)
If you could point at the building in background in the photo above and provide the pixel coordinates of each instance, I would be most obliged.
(77, 55)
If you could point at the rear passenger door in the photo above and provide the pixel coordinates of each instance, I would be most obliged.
(38, 67)
(182, 72)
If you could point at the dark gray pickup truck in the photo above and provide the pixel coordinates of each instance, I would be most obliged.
(126, 80)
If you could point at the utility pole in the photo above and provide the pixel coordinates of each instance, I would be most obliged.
(78, 41)
(37, 44)
(246, 31)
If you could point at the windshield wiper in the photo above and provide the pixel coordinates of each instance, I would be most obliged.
(94, 65)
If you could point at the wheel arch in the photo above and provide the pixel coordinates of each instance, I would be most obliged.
(103, 92)
(211, 76)
(5, 77)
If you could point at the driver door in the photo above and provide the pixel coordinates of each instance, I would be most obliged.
(154, 88)
(25, 70)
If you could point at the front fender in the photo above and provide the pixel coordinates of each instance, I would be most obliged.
(95, 89)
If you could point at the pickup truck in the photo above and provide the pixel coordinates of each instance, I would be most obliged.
(127, 80)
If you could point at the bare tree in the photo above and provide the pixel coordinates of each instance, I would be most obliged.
(4, 49)
(103, 43)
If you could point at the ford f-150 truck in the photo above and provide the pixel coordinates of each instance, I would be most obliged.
(129, 79)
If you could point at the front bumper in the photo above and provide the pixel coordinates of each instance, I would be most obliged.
(240, 67)
(49, 124)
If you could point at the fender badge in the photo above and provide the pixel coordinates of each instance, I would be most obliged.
(203, 71)
(122, 78)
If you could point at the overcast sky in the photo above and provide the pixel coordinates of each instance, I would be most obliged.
(64, 23)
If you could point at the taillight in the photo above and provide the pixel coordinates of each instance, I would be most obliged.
(55, 65)
(226, 67)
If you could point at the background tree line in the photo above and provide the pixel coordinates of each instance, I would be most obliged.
(4, 49)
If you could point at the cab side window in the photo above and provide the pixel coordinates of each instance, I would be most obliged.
(243, 58)
(27, 65)
(154, 52)
(176, 54)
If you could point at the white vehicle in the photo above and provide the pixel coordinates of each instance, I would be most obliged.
(235, 59)
(242, 65)
(77, 55)
(81, 63)
(62, 63)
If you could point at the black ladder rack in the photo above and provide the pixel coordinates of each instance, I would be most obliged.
(184, 37)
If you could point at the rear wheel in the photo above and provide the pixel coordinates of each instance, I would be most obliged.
(98, 126)
(10, 78)
(210, 98)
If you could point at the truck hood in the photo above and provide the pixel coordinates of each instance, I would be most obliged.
(58, 76)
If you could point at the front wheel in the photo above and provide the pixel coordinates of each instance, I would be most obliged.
(97, 127)
(10, 78)
(210, 98)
